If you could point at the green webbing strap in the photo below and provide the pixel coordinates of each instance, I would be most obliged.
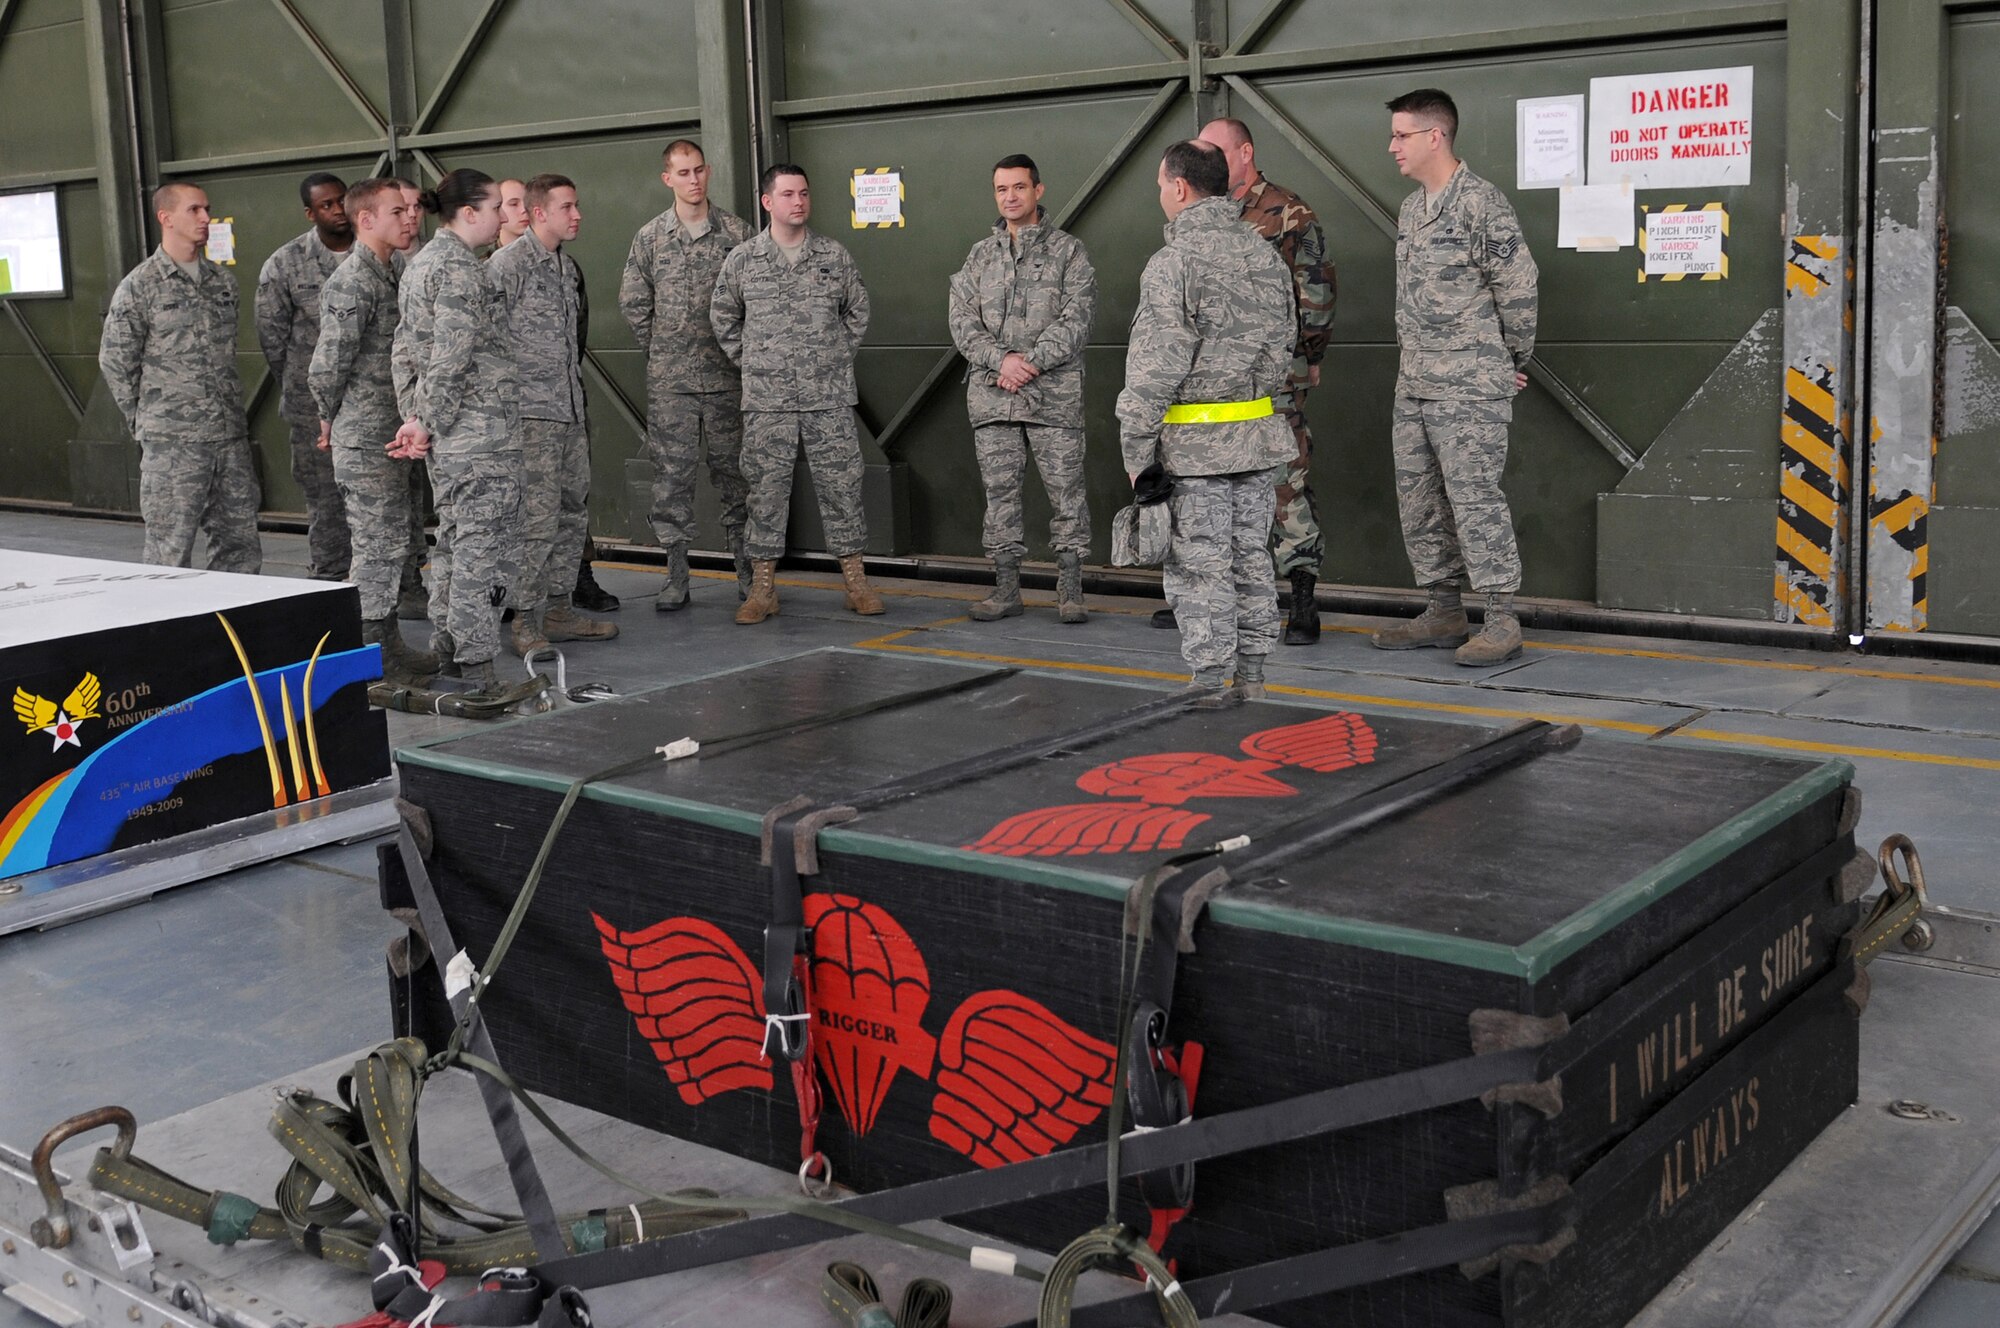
(850, 1292)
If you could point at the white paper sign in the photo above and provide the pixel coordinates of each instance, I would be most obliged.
(1548, 142)
(222, 241)
(1683, 244)
(1671, 131)
(1596, 218)
(878, 199)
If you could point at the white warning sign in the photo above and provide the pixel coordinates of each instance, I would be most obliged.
(1671, 131)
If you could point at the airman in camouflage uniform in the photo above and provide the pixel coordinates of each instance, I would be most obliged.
(353, 391)
(547, 314)
(168, 357)
(694, 393)
(1465, 318)
(1020, 311)
(288, 299)
(1283, 218)
(1215, 327)
(454, 372)
(790, 311)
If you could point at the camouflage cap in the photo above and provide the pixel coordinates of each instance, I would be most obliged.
(1140, 535)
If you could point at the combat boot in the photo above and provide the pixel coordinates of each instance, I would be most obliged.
(413, 602)
(1207, 689)
(564, 623)
(741, 556)
(401, 663)
(674, 595)
(1005, 601)
(763, 600)
(1069, 587)
(485, 682)
(860, 598)
(1164, 618)
(1442, 623)
(1249, 682)
(589, 595)
(527, 634)
(1302, 626)
(446, 651)
(1499, 638)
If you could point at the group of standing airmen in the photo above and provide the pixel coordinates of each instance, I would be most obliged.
(390, 352)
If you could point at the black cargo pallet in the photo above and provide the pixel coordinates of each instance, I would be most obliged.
(1673, 906)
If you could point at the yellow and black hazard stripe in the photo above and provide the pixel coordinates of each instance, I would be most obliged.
(1812, 491)
(1720, 274)
(853, 192)
(1905, 518)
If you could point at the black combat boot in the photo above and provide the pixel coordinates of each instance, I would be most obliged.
(1302, 627)
(589, 595)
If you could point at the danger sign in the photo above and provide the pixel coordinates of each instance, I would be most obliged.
(1673, 130)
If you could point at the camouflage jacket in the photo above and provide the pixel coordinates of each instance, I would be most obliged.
(1282, 217)
(288, 295)
(452, 362)
(349, 376)
(792, 329)
(668, 284)
(544, 291)
(168, 354)
(1216, 322)
(1465, 293)
(1033, 295)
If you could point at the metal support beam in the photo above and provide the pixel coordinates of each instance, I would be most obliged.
(7, 9)
(990, 89)
(665, 117)
(1816, 407)
(149, 79)
(1085, 195)
(43, 358)
(770, 141)
(1169, 46)
(83, 175)
(621, 405)
(304, 30)
(1210, 29)
(111, 135)
(1573, 405)
(722, 64)
(399, 57)
(231, 161)
(461, 60)
(1906, 300)
(1258, 26)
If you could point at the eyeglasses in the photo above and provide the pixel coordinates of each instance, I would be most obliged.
(1395, 137)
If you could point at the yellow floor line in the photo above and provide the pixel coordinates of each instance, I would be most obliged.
(893, 642)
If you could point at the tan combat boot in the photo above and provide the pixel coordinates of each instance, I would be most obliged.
(1249, 680)
(527, 634)
(1442, 623)
(1005, 601)
(763, 600)
(563, 623)
(1499, 638)
(860, 598)
(1069, 588)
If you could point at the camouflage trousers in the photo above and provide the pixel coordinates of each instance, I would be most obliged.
(1218, 569)
(206, 487)
(420, 549)
(328, 542)
(1449, 459)
(479, 506)
(375, 489)
(1003, 451)
(771, 442)
(555, 517)
(678, 426)
(1296, 545)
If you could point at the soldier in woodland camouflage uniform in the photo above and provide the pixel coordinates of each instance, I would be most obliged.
(453, 365)
(1020, 313)
(288, 296)
(1282, 217)
(546, 313)
(694, 394)
(355, 399)
(1465, 316)
(790, 311)
(168, 357)
(1211, 339)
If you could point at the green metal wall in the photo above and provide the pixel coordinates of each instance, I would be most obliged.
(1646, 467)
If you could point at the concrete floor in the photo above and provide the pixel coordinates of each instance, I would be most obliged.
(211, 989)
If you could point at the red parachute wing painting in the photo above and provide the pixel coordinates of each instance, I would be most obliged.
(1015, 1081)
(697, 1001)
(1172, 778)
(869, 990)
(1329, 743)
(1089, 827)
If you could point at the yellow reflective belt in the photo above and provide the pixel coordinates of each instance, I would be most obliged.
(1217, 412)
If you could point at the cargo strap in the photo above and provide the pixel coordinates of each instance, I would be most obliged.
(1217, 412)
(1901, 905)
(457, 704)
(850, 1292)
